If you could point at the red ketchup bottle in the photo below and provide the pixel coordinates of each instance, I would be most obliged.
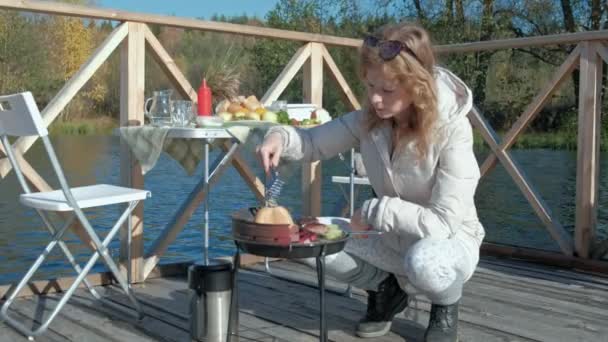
(204, 99)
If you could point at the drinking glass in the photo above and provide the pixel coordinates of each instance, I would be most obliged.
(278, 105)
(182, 112)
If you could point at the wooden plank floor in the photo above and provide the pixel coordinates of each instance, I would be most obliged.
(504, 301)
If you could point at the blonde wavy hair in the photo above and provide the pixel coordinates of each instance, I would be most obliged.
(414, 71)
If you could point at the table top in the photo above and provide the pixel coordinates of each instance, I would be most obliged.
(192, 132)
(346, 180)
(198, 133)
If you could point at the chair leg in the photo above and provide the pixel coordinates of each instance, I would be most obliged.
(107, 259)
(129, 264)
(24, 281)
(45, 324)
(102, 251)
(77, 268)
(51, 228)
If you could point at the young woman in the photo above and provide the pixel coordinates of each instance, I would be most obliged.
(417, 147)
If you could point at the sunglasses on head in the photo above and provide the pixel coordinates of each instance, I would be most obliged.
(388, 49)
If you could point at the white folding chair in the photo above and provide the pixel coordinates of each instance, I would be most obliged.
(19, 116)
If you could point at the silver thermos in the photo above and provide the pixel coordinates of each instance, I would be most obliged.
(213, 311)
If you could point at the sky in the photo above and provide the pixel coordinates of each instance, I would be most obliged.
(193, 8)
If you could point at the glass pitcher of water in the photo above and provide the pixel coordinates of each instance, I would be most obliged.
(158, 108)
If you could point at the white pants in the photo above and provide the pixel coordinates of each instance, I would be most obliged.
(436, 268)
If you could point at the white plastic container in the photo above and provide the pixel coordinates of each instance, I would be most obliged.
(301, 111)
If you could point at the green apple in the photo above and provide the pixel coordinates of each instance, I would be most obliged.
(270, 117)
(226, 116)
(253, 116)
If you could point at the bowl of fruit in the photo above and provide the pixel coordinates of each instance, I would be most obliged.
(245, 110)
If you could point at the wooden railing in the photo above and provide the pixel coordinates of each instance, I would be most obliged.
(135, 40)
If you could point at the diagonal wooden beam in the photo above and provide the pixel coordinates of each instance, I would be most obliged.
(39, 184)
(242, 167)
(599, 250)
(541, 209)
(336, 75)
(167, 64)
(487, 132)
(602, 50)
(534, 107)
(588, 149)
(30, 173)
(70, 89)
(290, 70)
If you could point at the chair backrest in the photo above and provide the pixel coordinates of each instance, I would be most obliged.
(19, 116)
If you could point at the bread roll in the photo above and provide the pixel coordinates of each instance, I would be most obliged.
(273, 215)
(252, 103)
(235, 108)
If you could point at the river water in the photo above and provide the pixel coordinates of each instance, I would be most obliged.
(502, 208)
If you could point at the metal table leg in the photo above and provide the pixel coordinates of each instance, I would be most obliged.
(321, 278)
(183, 214)
(233, 322)
(206, 213)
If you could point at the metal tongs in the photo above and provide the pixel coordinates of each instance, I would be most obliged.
(365, 232)
(274, 185)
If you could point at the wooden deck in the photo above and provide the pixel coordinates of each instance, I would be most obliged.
(505, 301)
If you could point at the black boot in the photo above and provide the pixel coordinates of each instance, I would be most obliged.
(382, 306)
(443, 324)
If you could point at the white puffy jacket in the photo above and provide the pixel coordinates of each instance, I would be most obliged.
(417, 198)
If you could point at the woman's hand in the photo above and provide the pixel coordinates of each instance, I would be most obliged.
(270, 151)
(357, 223)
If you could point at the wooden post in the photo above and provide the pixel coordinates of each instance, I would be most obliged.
(313, 93)
(132, 71)
(588, 148)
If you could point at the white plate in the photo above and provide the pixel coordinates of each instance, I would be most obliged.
(342, 222)
(209, 121)
(301, 111)
(249, 123)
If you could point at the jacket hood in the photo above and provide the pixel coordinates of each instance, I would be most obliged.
(454, 98)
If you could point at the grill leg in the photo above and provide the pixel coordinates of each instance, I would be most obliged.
(321, 278)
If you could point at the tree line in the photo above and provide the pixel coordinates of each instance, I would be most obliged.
(40, 52)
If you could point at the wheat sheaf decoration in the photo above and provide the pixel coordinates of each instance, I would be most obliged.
(224, 82)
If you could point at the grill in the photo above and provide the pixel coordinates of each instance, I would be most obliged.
(278, 240)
